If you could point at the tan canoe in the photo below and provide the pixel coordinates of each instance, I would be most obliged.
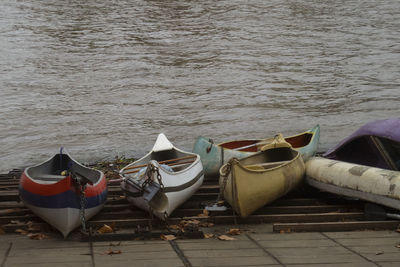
(252, 182)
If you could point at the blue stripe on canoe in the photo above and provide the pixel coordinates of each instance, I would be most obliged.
(67, 199)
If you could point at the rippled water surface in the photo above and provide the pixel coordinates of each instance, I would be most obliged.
(103, 78)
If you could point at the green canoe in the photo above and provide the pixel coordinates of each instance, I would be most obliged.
(213, 156)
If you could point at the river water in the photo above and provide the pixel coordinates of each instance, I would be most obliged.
(103, 78)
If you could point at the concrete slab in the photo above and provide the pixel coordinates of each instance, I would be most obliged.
(286, 236)
(302, 243)
(212, 253)
(372, 241)
(236, 261)
(216, 245)
(362, 234)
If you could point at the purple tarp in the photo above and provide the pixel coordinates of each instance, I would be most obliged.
(359, 148)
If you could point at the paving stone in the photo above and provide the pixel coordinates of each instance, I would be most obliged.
(212, 253)
(362, 234)
(321, 259)
(237, 261)
(382, 257)
(124, 261)
(306, 243)
(216, 244)
(287, 236)
(336, 250)
(352, 264)
(372, 241)
(160, 246)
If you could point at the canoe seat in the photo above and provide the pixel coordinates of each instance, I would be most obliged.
(49, 177)
(267, 165)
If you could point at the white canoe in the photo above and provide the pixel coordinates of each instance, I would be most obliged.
(181, 174)
(52, 191)
(372, 184)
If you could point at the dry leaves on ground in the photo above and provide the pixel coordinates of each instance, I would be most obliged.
(105, 229)
(22, 231)
(112, 252)
(167, 237)
(208, 235)
(234, 231)
(204, 214)
(37, 236)
(206, 224)
(225, 238)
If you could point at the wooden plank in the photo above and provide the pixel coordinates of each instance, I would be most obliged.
(335, 226)
(168, 161)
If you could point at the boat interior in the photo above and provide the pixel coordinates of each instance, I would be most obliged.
(52, 170)
(371, 151)
(171, 160)
(254, 145)
(299, 140)
(269, 158)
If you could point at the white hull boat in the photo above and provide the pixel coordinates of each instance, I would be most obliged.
(163, 179)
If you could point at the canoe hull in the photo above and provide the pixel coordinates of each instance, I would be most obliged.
(213, 156)
(64, 220)
(248, 190)
(179, 182)
(164, 203)
(372, 184)
(56, 199)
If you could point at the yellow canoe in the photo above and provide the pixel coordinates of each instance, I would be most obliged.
(250, 183)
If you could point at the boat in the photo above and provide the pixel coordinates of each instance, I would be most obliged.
(213, 156)
(375, 144)
(63, 192)
(377, 185)
(163, 179)
(249, 183)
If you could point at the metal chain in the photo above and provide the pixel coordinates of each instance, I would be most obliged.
(82, 199)
(149, 174)
(82, 208)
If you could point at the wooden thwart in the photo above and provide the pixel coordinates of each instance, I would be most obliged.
(170, 164)
(162, 162)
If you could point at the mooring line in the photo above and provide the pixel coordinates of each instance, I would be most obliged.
(180, 254)
(346, 247)
(264, 249)
(6, 255)
(91, 247)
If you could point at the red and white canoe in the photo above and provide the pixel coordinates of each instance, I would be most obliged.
(52, 190)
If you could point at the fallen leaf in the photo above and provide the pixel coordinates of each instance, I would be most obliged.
(398, 245)
(22, 231)
(105, 229)
(234, 231)
(204, 214)
(112, 252)
(37, 236)
(206, 224)
(225, 238)
(175, 227)
(167, 237)
(208, 235)
(379, 253)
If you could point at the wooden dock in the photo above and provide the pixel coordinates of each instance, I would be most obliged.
(306, 210)
(331, 231)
